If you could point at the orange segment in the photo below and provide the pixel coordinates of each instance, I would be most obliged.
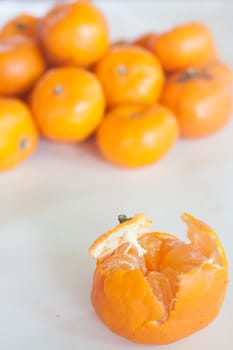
(157, 245)
(183, 258)
(135, 301)
(173, 278)
(161, 288)
(197, 304)
(152, 244)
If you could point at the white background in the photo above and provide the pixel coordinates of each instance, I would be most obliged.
(54, 205)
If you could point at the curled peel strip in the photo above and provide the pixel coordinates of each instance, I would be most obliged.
(127, 232)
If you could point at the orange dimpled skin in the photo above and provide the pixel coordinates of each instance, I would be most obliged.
(21, 64)
(130, 74)
(200, 98)
(18, 133)
(74, 33)
(151, 287)
(23, 24)
(68, 104)
(135, 135)
(184, 46)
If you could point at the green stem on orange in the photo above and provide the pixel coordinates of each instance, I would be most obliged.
(191, 73)
(20, 25)
(58, 89)
(123, 218)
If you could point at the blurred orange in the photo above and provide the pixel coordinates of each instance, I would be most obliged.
(74, 33)
(130, 74)
(21, 65)
(200, 98)
(68, 104)
(188, 45)
(18, 133)
(134, 135)
(147, 41)
(120, 42)
(23, 24)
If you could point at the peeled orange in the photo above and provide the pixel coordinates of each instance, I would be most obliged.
(151, 287)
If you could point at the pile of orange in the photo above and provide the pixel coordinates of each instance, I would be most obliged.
(138, 97)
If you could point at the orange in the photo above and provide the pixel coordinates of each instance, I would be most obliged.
(130, 74)
(23, 24)
(119, 42)
(151, 287)
(74, 33)
(21, 64)
(134, 135)
(187, 45)
(68, 104)
(147, 41)
(18, 133)
(200, 98)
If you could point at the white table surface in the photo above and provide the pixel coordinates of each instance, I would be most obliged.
(55, 204)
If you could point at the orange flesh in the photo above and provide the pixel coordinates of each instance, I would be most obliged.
(161, 265)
